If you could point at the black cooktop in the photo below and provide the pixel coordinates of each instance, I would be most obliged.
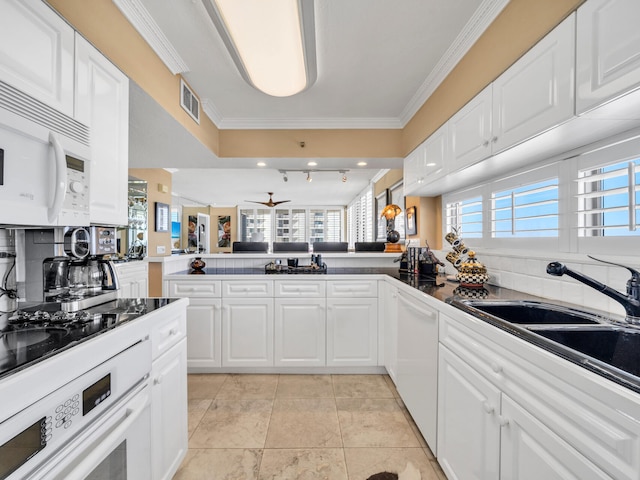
(37, 332)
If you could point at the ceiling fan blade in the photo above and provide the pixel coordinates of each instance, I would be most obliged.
(270, 203)
(281, 201)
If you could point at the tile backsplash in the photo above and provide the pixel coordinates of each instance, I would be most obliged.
(529, 275)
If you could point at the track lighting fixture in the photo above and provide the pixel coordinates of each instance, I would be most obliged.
(308, 172)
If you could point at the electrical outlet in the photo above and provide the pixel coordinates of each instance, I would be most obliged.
(160, 249)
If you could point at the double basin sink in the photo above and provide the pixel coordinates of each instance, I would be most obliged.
(608, 347)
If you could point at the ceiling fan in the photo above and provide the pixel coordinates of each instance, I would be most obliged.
(270, 203)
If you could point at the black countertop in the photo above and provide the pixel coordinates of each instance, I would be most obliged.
(26, 343)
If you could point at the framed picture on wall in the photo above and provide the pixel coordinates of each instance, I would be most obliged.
(412, 221)
(162, 217)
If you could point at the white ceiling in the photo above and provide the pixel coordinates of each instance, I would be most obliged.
(378, 61)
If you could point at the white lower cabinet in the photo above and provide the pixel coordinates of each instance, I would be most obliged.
(247, 332)
(169, 411)
(417, 363)
(510, 411)
(204, 333)
(468, 433)
(300, 332)
(530, 451)
(352, 331)
(388, 316)
(169, 440)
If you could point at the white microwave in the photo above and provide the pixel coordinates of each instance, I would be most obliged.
(45, 158)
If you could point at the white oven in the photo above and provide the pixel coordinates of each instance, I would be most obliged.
(94, 427)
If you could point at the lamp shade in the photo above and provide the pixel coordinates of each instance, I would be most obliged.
(391, 211)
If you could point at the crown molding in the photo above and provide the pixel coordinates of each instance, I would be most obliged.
(307, 123)
(142, 21)
(211, 111)
(475, 27)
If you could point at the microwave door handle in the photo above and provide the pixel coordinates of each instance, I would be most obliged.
(60, 185)
(133, 410)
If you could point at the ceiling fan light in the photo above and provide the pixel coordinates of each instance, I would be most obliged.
(272, 43)
(344, 177)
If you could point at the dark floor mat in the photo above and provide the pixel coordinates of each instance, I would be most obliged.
(383, 476)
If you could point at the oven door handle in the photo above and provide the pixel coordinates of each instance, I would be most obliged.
(132, 412)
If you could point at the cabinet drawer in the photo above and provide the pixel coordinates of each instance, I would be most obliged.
(194, 289)
(300, 288)
(167, 332)
(247, 288)
(352, 288)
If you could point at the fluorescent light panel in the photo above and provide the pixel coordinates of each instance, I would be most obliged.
(271, 42)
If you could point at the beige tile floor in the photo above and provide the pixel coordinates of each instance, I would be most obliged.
(300, 427)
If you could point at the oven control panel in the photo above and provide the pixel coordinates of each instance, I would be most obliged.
(53, 420)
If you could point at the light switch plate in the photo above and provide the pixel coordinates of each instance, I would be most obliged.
(160, 249)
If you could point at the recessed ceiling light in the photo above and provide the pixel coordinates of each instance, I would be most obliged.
(431, 164)
(261, 164)
(362, 164)
(312, 163)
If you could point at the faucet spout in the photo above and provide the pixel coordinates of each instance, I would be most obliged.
(630, 301)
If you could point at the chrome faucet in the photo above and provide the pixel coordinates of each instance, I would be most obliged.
(630, 301)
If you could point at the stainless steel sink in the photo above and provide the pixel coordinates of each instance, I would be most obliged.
(523, 312)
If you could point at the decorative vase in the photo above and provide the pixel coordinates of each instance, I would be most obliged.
(197, 263)
(472, 274)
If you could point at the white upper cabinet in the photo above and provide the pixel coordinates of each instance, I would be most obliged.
(102, 102)
(537, 92)
(36, 53)
(608, 51)
(427, 163)
(470, 131)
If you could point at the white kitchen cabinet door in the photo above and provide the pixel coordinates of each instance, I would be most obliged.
(530, 451)
(352, 331)
(204, 333)
(436, 155)
(468, 424)
(247, 332)
(134, 279)
(417, 363)
(413, 175)
(169, 411)
(102, 102)
(37, 52)
(608, 51)
(389, 318)
(300, 332)
(470, 131)
(537, 92)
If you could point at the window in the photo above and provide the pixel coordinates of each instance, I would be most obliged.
(326, 226)
(255, 225)
(465, 217)
(526, 211)
(609, 200)
(360, 217)
(291, 224)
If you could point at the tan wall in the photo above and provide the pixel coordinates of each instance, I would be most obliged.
(387, 181)
(155, 177)
(100, 22)
(317, 143)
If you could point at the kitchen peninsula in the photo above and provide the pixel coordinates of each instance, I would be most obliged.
(457, 374)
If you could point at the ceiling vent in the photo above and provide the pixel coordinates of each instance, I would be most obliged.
(189, 101)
